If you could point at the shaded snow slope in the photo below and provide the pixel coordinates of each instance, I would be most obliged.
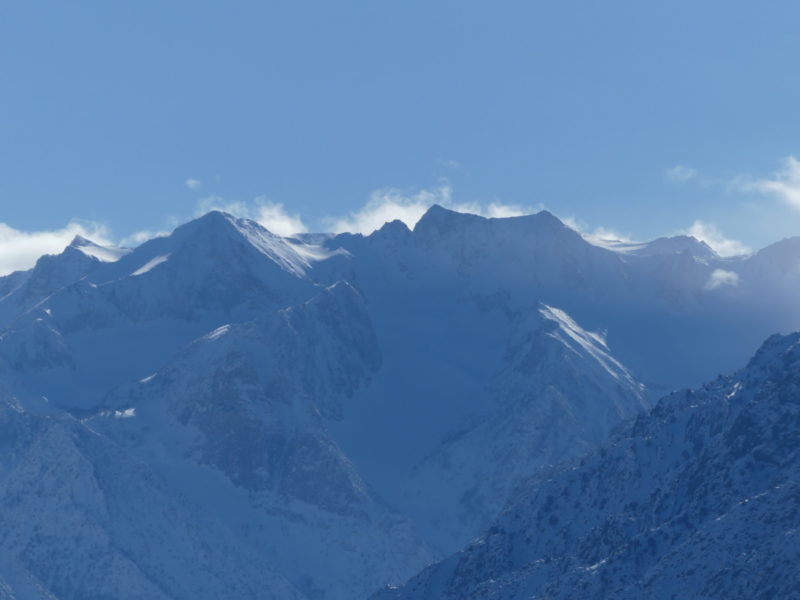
(82, 519)
(560, 395)
(236, 423)
(124, 319)
(697, 498)
(346, 408)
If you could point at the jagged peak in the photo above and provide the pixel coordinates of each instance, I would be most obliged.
(777, 348)
(677, 244)
(682, 243)
(215, 221)
(784, 253)
(545, 217)
(219, 233)
(392, 230)
(94, 250)
(79, 241)
(441, 219)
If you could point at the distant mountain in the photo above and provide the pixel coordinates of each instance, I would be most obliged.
(333, 411)
(560, 395)
(697, 498)
(23, 290)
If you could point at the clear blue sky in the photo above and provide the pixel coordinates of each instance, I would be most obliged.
(107, 108)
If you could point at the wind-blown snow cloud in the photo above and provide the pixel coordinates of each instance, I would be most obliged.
(599, 235)
(391, 204)
(271, 215)
(720, 278)
(193, 184)
(711, 235)
(20, 249)
(784, 184)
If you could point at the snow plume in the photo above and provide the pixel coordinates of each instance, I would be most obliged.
(720, 278)
(599, 235)
(20, 249)
(271, 215)
(390, 204)
(784, 184)
(708, 233)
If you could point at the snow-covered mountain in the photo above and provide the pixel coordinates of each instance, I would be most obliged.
(82, 518)
(23, 290)
(697, 498)
(341, 409)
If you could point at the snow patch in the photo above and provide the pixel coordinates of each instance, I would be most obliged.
(218, 332)
(150, 265)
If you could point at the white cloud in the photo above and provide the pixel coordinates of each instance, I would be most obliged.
(784, 184)
(680, 174)
(711, 235)
(721, 277)
(599, 235)
(193, 184)
(391, 204)
(271, 215)
(388, 205)
(20, 249)
(610, 235)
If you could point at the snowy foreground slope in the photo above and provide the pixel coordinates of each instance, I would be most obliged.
(317, 417)
(696, 499)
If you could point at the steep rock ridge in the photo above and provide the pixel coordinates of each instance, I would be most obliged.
(535, 254)
(507, 264)
(215, 264)
(254, 396)
(696, 498)
(328, 401)
(242, 411)
(677, 244)
(23, 290)
(150, 303)
(446, 300)
(560, 395)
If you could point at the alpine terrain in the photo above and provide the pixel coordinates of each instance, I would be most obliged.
(223, 412)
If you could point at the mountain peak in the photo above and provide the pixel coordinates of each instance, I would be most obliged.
(677, 244)
(545, 216)
(214, 221)
(79, 241)
(440, 219)
(94, 250)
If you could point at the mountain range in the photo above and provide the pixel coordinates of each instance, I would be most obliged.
(224, 412)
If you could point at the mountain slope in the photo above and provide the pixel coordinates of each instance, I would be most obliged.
(345, 408)
(560, 395)
(23, 290)
(148, 304)
(696, 498)
(81, 520)
(242, 411)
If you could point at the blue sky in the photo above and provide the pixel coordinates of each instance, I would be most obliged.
(641, 118)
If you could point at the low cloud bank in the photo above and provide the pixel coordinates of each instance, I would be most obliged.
(20, 249)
